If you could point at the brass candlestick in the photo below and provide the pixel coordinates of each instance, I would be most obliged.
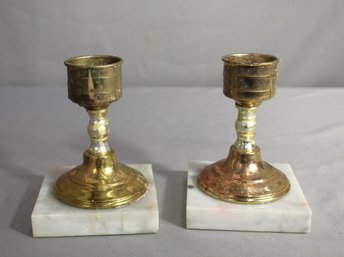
(243, 177)
(100, 181)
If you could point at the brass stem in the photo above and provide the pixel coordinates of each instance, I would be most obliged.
(98, 130)
(245, 126)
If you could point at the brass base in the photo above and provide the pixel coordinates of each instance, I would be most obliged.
(243, 178)
(100, 182)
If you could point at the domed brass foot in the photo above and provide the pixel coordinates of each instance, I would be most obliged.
(243, 178)
(100, 182)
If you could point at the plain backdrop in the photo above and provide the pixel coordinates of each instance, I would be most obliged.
(171, 42)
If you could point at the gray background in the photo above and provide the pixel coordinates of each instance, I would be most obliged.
(171, 42)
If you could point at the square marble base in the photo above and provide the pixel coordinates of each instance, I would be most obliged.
(289, 214)
(52, 218)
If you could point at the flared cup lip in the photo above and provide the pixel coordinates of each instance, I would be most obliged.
(249, 59)
(100, 61)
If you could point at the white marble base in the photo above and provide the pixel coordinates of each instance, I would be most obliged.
(52, 218)
(289, 214)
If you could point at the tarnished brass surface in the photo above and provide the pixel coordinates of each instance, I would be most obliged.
(243, 177)
(94, 81)
(249, 79)
(100, 181)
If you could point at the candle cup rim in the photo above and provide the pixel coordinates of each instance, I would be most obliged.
(236, 59)
(113, 61)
